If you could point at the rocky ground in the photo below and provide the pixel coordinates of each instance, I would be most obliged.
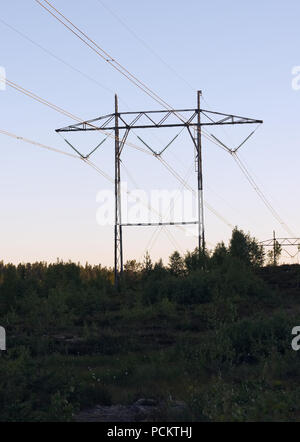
(143, 410)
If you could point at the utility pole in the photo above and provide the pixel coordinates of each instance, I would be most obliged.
(123, 122)
(201, 237)
(274, 248)
(279, 244)
(118, 215)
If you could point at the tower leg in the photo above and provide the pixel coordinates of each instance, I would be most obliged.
(201, 233)
(118, 220)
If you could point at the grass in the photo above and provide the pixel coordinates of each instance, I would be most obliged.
(227, 353)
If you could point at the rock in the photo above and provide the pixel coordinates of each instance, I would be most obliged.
(114, 413)
(178, 404)
(146, 403)
(142, 410)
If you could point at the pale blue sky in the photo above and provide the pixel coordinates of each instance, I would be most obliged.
(239, 53)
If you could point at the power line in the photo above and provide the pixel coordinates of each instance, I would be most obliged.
(146, 45)
(62, 111)
(170, 205)
(253, 183)
(90, 163)
(172, 239)
(180, 179)
(110, 60)
(158, 229)
(74, 117)
(27, 140)
(261, 194)
(136, 81)
(101, 52)
(72, 67)
(188, 187)
(53, 149)
(38, 45)
(41, 100)
(153, 238)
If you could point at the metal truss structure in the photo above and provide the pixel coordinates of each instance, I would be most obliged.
(158, 119)
(122, 122)
(284, 243)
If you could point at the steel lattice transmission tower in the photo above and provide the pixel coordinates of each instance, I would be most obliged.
(122, 122)
(284, 244)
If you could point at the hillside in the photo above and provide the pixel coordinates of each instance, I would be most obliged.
(214, 337)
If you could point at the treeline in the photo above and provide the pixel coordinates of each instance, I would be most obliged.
(43, 297)
(208, 329)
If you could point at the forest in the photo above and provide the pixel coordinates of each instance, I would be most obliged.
(211, 330)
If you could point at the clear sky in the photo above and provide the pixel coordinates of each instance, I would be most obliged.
(241, 55)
